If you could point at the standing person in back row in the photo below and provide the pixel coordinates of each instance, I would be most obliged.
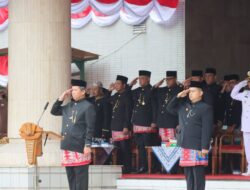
(195, 131)
(77, 128)
(144, 117)
(213, 89)
(167, 122)
(103, 111)
(121, 103)
(244, 97)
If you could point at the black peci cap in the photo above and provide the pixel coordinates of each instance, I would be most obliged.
(80, 83)
(144, 73)
(195, 84)
(234, 77)
(211, 70)
(197, 73)
(171, 74)
(122, 78)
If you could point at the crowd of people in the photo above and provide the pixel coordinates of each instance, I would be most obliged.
(193, 112)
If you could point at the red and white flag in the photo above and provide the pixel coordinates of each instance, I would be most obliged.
(107, 12)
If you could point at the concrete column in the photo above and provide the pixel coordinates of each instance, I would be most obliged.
(39, 70)
(39, 60)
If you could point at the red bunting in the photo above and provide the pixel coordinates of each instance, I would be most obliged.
(76, 1)
(132, 12)
(82, 14)
(3, 15)
(139, 2)
(169, 3)
(107, 1)
(4, 65)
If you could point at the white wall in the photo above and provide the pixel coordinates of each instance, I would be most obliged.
(161, 48)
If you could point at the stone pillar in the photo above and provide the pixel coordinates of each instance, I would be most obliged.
(39, 71)
(39, 60)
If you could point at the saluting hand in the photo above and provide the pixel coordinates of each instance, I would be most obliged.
(111, 87)
(133, 82)
(157, 85)
(186, 83)
(65, 95)
(183, 93)
(225, 85)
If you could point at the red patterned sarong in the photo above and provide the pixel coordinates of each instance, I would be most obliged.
(70, 158)
(119, 136)
(166, 134)
(144, 129)
(191, 157)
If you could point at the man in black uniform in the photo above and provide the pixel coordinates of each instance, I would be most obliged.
(167, 122)
(211, 91)
(196, 123)
(144, 117)
(103, 111)
(77, 128)
(231, 115)
(222, 105)
(232, 108)
(197, 76)
(121, 121)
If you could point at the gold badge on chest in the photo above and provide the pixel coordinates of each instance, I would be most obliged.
(141, 100)
(73, 117)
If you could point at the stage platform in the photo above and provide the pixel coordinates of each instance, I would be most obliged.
(177, 182)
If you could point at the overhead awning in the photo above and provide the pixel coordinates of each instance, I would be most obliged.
(77, 54)
(77, 69)
(4, 51)
(80, 55)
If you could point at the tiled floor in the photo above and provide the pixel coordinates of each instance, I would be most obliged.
(54, 178)
(166, 182)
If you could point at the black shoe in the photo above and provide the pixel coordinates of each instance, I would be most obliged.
(142, 171)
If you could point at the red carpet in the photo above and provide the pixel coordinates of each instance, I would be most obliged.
(167, 176)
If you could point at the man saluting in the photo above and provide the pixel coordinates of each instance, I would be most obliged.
(77, 128)
(195, 129)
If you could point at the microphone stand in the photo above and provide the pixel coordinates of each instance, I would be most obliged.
(37, 180)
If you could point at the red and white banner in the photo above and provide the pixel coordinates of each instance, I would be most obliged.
(75, 1)
(3, 70)
(3, 18)
(107, 7)
(163, 10)
(79, 20)
(107, 12)
(79, 7)
(102, 19)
